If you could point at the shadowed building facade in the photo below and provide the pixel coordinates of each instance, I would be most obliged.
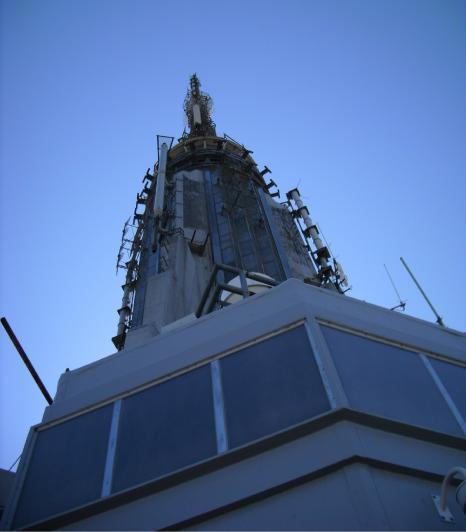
(248, 392)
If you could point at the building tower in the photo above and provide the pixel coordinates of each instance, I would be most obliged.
(206, 203)
(247, 391)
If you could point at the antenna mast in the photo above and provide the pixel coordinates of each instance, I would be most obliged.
(402, 304)
(439, 319)
(198, 109)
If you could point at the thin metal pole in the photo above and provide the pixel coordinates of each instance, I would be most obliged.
(393, 284)
(15, 462)
(439, 319)
(26, 360)
(402, 304)
(207, 290)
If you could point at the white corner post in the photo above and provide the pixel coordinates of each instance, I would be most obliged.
(160, 187)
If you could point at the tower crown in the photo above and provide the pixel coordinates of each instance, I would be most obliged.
(205, 221)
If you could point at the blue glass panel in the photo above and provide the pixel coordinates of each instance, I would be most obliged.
(165, 428)
(270, 386)
(453, 378)
(66, 468)
(388, 381)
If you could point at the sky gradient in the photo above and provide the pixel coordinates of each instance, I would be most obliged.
(361, 103)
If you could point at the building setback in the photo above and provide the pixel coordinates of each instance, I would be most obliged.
(248, 392)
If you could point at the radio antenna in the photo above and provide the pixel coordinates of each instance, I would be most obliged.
(402, 304)
(439, 319)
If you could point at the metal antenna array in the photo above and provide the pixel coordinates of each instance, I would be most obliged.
(198, 108)
(129, 254)
(320, 254)
(150, 207)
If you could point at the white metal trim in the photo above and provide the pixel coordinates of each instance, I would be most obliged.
(320, 366)
(219, 407)
(111, 449)
(322, 357)
(441, 387)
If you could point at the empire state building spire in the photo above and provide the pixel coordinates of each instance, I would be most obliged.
(206, 221)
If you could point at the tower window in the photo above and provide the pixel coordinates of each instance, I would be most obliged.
(66, 468)
(388, 381)
(164, 428)
(271, 385)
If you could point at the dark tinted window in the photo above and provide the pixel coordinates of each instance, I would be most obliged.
(66, 468)
(270, 386)
(453, 378)
(164, 428)
(194, 211)
(388, 381)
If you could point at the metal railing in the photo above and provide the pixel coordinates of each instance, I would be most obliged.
(219, 287)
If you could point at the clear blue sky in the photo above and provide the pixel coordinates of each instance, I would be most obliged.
(361, 102)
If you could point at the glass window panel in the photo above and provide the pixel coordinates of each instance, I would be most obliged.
(165, 428)
(66, 468)
(388, 381)
(453, 378)
(271, 385)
